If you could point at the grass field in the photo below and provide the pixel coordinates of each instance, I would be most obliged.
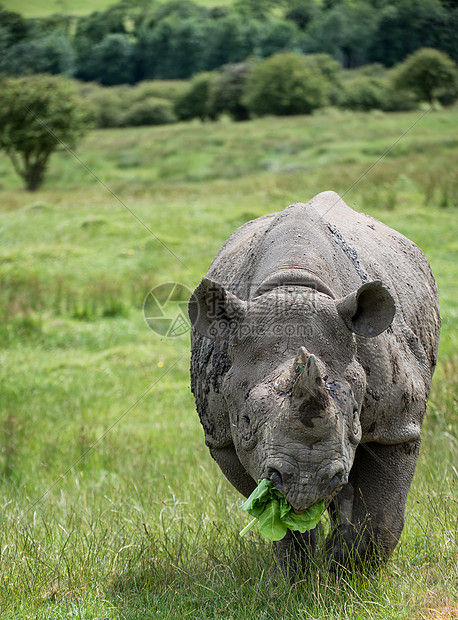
(44, 8)
(111, 504)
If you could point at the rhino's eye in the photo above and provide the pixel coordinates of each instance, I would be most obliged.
(355, 425)
(246, 431)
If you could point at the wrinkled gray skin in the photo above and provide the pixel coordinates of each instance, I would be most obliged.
(314, 341)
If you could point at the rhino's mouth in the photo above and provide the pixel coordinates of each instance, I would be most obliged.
(335, 485)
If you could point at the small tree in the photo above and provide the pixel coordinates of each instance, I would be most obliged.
(37, 115)
(430, 74)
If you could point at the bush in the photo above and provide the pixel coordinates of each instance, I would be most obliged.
(194, 102)
(161, 89)
(227, 90)
(429, 74)
(125, 106)
(362, 92)
(370, 89)
(332, 72)
(150, 111)
(108, 105)
(398, 100)
(286, 84)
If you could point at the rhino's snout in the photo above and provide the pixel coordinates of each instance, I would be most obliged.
(285, 480)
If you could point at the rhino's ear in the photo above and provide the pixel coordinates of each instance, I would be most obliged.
(367, 311)
(215, 312)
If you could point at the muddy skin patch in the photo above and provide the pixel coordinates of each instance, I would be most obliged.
(350, 251)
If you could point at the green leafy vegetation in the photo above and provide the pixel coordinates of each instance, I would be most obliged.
(111, 506)
(274, 515)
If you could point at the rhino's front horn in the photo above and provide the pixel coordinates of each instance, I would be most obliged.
(289, 377)
(309, 379)
(300, 361)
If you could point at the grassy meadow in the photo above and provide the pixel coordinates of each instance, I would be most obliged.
(111, 507)
(44, 8)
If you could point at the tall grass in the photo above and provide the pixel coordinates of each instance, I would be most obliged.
(111, 506)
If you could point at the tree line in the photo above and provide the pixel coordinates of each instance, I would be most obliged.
(137, 40)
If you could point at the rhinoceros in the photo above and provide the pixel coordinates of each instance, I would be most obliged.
(314, 340)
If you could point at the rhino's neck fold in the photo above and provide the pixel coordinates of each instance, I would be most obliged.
(292, 276)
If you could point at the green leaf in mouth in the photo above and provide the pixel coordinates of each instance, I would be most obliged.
(275, 515)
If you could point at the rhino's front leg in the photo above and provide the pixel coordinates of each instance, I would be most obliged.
(229, 463)
(369, 511)
(294, 553)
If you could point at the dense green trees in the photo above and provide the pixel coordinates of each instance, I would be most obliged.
(345, 31)
(13, 30)
(407, 25)
(135, 40)
(112, 60)
(53, 54)
(173, 49)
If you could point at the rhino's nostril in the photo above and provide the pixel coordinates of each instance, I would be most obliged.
(276, 478)
(336, 481)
